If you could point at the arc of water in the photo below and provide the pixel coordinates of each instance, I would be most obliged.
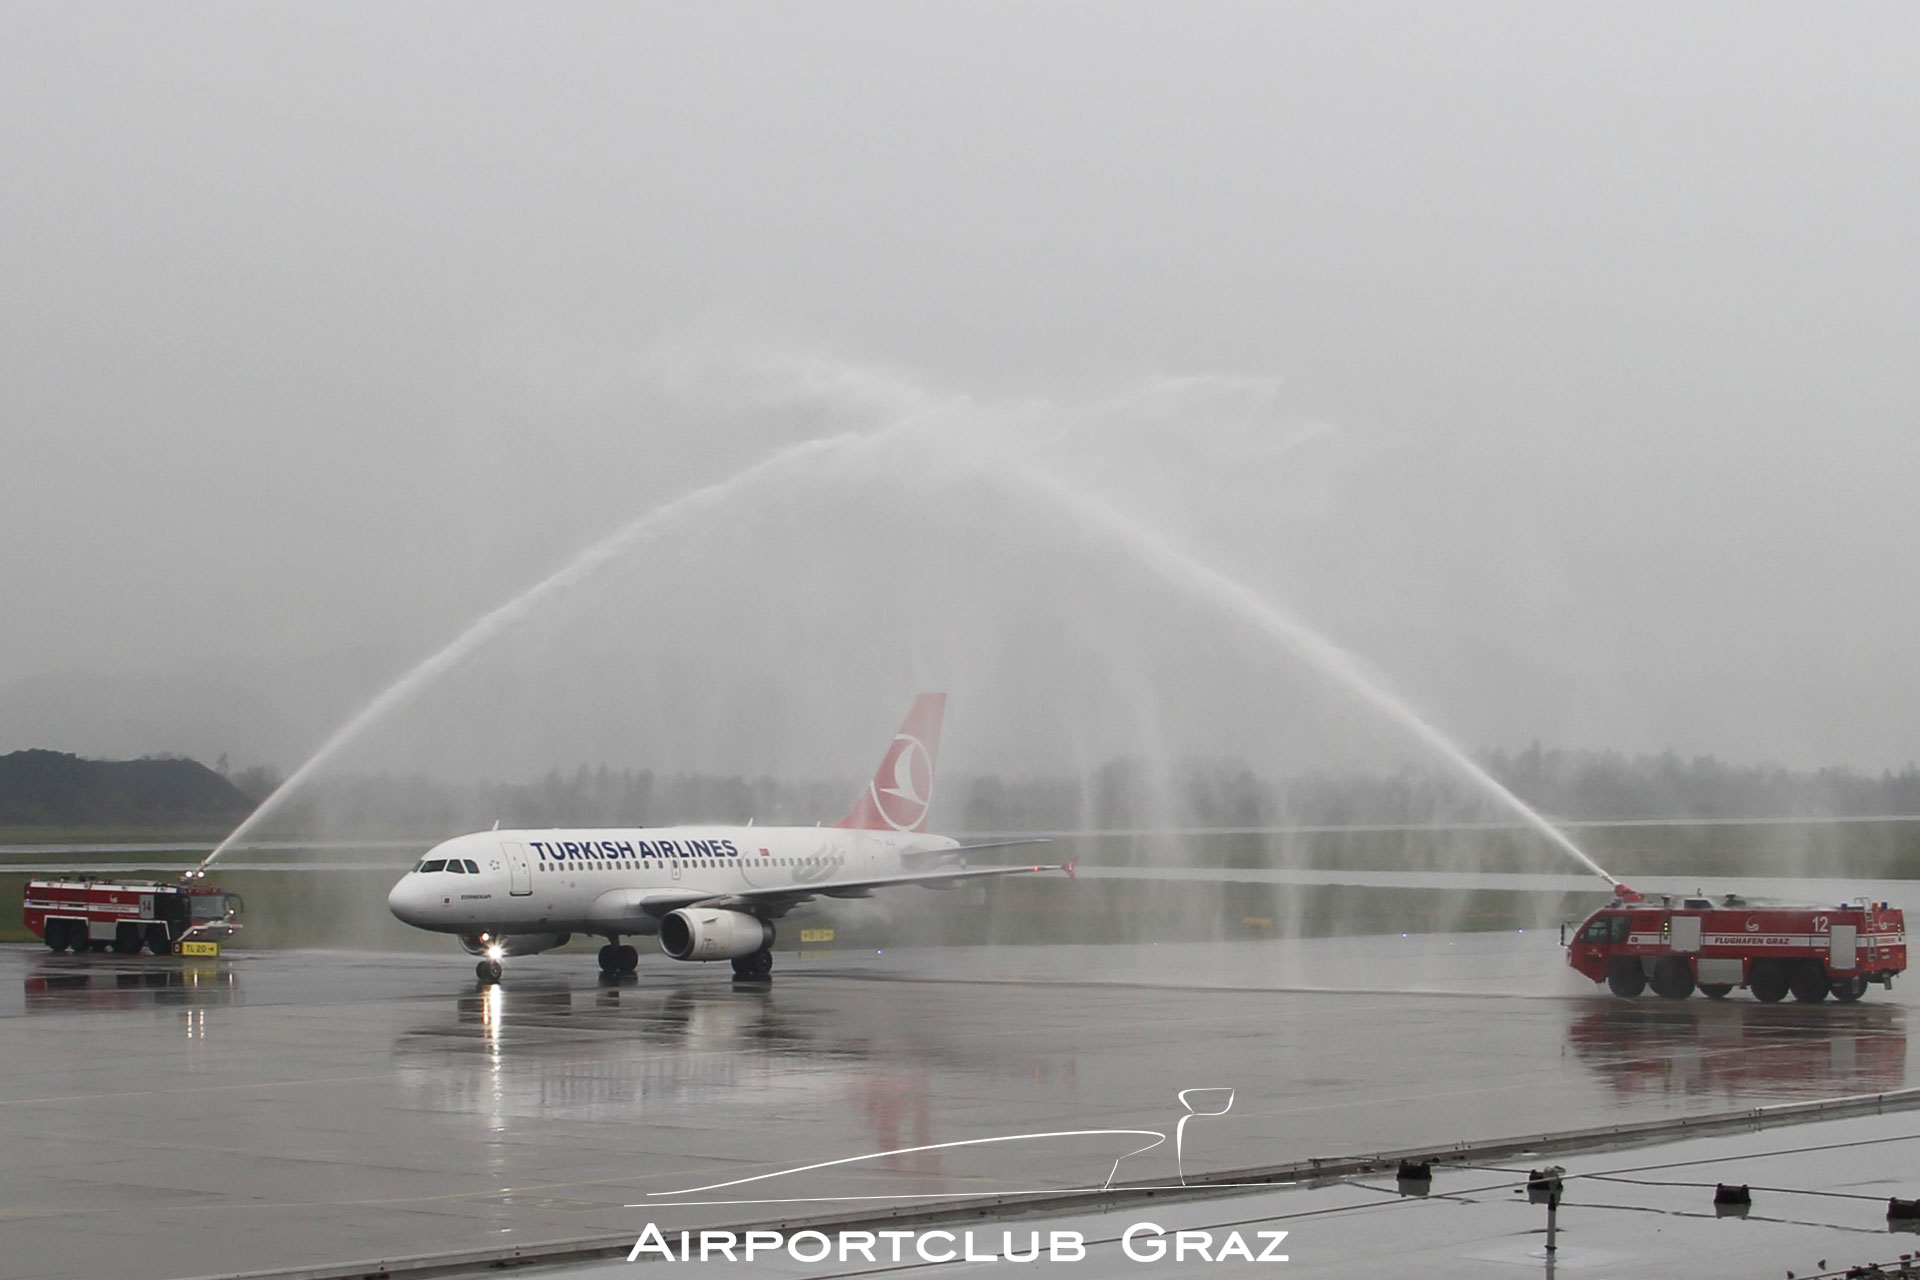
(579, 569)
(1152, 548)
(1155, 551)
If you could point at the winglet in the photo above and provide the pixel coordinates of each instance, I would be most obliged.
(901, 791)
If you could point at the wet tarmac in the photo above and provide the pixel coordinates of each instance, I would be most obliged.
(1817, 1197)
(277, 1109)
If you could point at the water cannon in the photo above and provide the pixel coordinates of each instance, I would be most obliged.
(1623, 895)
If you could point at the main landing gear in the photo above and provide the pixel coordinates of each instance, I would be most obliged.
(617, 960)
(754, 968)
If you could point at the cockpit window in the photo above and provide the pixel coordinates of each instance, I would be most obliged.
(473, 868)
(456, 866)
(434, 864)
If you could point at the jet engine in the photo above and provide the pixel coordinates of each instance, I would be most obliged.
(710, 933)
(513, 944)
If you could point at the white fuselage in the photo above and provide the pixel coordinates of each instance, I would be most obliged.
(601, 881)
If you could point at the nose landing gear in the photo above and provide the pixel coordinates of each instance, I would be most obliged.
(488, 971)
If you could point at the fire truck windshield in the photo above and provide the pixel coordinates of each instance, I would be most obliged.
(1607, 928)
(209, 907)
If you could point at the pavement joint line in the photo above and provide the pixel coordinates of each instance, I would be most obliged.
(1314, 1171)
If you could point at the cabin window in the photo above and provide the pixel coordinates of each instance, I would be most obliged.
(1598, 931)
(1622, 926)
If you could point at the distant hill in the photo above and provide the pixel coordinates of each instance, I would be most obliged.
(53, 788)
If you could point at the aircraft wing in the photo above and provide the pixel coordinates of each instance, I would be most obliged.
(778, 900)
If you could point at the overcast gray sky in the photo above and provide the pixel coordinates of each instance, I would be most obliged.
(1573, 347)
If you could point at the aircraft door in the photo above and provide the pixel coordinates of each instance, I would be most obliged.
(519, 870)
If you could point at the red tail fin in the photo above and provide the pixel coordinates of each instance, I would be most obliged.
(902, 788)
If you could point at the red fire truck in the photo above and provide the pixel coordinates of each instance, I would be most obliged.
(81, 913)
(1673, 944)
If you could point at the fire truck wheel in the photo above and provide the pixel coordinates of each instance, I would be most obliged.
(1768, 981)
(1716, 991)
(57, 935)
(157, 940)
(127, 940)
(1847, 990)
(1809, 983)
(1672, 978)
(488, 971)
(1625, 977)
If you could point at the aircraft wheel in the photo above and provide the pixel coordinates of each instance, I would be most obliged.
(626, 959)
(1847, 990)
(1673, 979)
(488, 971)
(756, 966)
(157, 940)
(1768, 981)
(610, 959)
(1716, 990)
(1625, 978)
(1809, 983)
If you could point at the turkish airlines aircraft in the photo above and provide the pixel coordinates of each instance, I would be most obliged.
(709, 893)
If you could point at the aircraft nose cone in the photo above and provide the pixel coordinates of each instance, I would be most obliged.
(404, 900)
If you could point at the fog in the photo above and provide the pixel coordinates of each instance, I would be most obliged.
(1554, 363)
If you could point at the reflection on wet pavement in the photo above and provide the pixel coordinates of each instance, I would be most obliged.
(273, 1109)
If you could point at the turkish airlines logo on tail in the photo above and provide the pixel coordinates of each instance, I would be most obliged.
(903, 806)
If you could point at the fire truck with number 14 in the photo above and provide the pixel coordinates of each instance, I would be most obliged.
(82, 913)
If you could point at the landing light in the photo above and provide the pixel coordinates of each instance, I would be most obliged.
(496, 952)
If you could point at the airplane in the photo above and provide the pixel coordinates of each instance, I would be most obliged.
(707, 892)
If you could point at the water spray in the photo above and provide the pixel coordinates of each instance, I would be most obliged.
(1154, 550)
(1150, 546)
(581, 568)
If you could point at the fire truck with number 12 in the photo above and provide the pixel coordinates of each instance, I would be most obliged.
(1672, 944)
